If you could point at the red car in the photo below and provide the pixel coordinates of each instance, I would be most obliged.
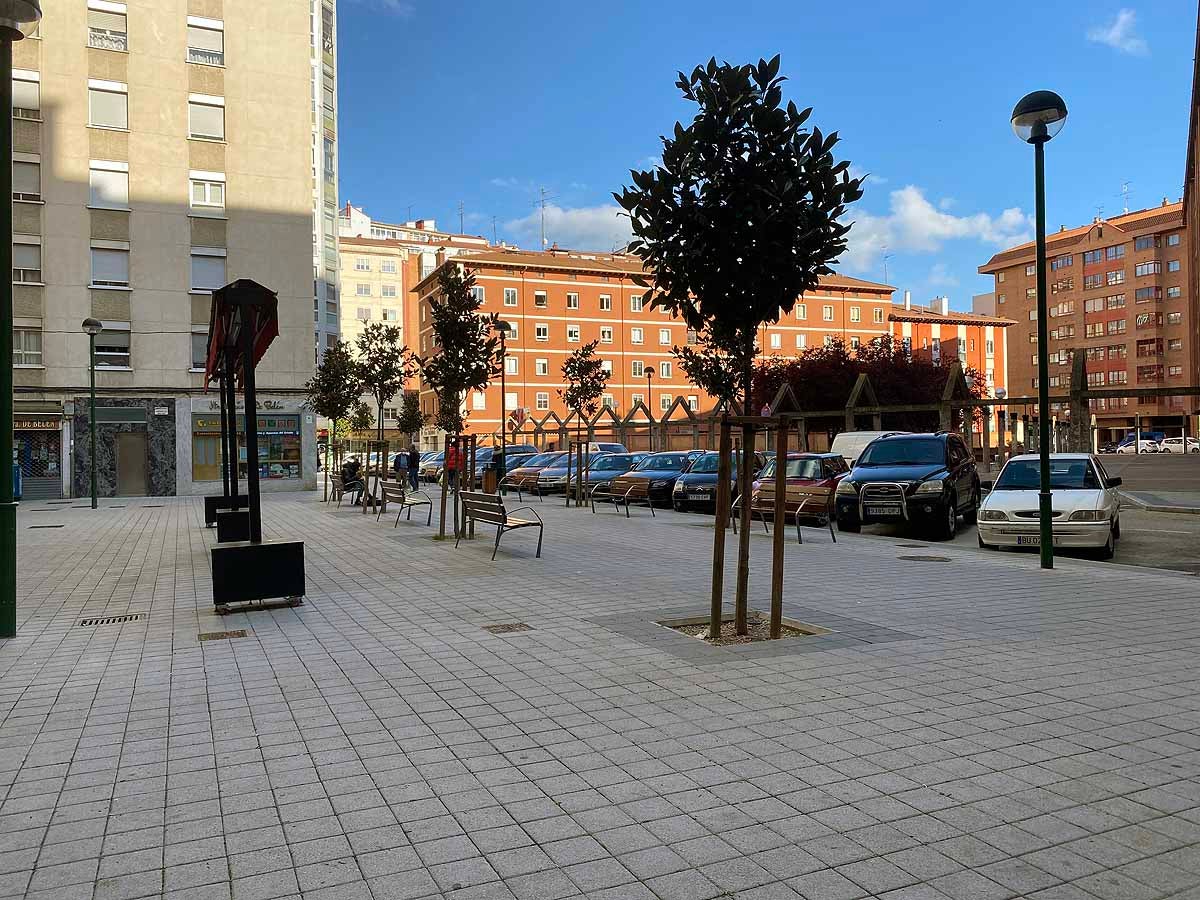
(812, 479)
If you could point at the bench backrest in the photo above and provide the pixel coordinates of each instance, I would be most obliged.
(485, 507)
(394, 491)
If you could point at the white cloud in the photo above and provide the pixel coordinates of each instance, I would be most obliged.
(1121, 34)
(939, 276)
(872, 178)
(401, 8)
(513, 183)
(579, 228)
(914, 225)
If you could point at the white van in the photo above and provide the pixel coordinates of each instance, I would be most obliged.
(851, 444)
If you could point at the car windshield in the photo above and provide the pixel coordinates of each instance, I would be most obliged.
(436, 458)
(796, 468)
(540, 460)
(662, 462)
(904, 452)
(483, 454)
(1065, 475)
(611, 464)
(706, 464)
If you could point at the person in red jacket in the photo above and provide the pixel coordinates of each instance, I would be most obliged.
(452, 464)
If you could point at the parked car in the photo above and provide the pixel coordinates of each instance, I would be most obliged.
(1109, 447)
(696, 487)
(431, 466)
(1085, 502)
(602, 447)
(923, 480)
(812, 479)
(525, 476)
(1142, 446)
(553, 479)
(609, 466)
(659, 471)
(850, 444)
(1175, 445)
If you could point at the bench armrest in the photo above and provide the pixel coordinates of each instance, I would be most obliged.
(509, 512)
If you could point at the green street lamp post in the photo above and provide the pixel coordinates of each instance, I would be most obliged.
(18, 18)
(502, 327)
(649, 389)
(1036, 119)
(92, 327)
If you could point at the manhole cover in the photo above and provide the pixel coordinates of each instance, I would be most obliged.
(508, 628)
(45, 526)
(222, 635)
(925, 558)
(111, 620)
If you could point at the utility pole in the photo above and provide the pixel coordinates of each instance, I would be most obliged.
(495, 240)
(460, 218)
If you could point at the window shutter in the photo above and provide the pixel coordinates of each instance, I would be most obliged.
(208, 272)
(27, 256)
(26, 94)
(27, 178)
(206, 121)
(109, 266)
(109, 108)
(206, 38)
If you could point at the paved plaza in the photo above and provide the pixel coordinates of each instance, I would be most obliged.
(971, 727)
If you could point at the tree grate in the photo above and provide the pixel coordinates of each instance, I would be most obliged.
(111, 620)
(507, 628)
(222, 635)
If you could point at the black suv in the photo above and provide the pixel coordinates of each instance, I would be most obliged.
(919, 479)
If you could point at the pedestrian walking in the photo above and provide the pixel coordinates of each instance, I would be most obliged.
(414, 465)
(452, 464)
(400, 466)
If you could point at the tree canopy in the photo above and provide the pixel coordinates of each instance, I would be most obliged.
(384, 365)
(336, 384)
(583, 371)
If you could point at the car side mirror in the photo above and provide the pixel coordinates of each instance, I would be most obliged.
(1113, 482)
(985, 487)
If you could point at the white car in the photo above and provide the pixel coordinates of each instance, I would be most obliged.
(1144, 446)
(1175, 445)
(1085, 504)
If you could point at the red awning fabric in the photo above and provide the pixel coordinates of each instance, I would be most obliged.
(242, 303)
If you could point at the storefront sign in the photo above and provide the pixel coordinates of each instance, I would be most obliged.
(28, 423)
(259, 405)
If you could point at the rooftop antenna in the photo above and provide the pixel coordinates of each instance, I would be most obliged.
(461, 230)
(886, 257)
(495, 240)
(410, 218)
(1099, 212)
(542, 202)
(1126, 190)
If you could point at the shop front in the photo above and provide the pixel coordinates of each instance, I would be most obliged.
(37, 450)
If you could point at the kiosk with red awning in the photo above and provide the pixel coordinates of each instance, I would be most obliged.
(243, 322)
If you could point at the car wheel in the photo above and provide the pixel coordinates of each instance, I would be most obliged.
(849, 527)
(680, 507)
(1110, 548)
(983, 546)
(971, 516)
(1116, 529)
(946, 529)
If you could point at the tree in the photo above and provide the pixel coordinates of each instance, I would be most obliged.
(361, 418)
(741, 219)
(411, 420)
(583, 371)
(384, 365)
(332, 392)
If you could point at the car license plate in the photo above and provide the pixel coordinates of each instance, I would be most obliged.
(697, 496)
(891, 509)
(1034, 540)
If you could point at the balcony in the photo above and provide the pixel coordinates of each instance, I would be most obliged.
(206, 57)
(106, 39)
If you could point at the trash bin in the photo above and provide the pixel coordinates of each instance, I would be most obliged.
(490, 479)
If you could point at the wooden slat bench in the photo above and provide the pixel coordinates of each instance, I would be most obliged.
(489, 508)
(619, 493)
(398, 492)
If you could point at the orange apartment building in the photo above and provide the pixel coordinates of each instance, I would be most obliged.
(1119, 293)
(556, 301)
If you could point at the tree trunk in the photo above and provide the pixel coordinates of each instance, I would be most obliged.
(745, 476)
(780, 516)
(718, 563)
(445, 488)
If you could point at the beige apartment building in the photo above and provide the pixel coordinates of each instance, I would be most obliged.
(162, 149)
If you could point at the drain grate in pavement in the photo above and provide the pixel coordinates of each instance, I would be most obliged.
(111, 620)
(507, 628)
(45, 526)
(153, 506)
(222, 635)
(925, 558)
(911, 546)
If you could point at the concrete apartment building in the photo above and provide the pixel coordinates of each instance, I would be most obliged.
(323, 52)
(161, 151)
(1119, 293)
(558, 300)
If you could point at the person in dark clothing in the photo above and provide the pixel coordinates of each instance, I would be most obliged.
(400, 467)
(414, 464)
(352, 479)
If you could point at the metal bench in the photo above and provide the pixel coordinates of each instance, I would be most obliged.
(337, 488)
(635, 493)
(520, 484)
(398, 492)
(824, 518)
(489, 508)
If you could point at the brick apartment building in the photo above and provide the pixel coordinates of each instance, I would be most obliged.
(1118, 292)
(559, 300)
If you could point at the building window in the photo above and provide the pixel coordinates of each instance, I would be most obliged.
(990, 348)
(635, 336)
(27, 95)
(208, 191)
(606, 366)
(1090, 282)
(827, 313)
(1173, 265)
(1174, 344)
(664, 369)
(1059, 262)
(107, 29)
(539, 299)
(878, 315)
(855, 314)
(776, 341)
(1146, 294)
(1148, 268)
(26, 180)
(387, 266)
(573, 334)
(801, 341)
(362, 264)
(510, 296)
(27, 347)
(1031, 270)
(637, 369)
(1175, 318)
(605, 303)
(635, 303)
(208, 270)
(541, 367)
(206, 41)
(608, 401)
(828, 342)
(1000, 276)
(664, 336)
(110, 268)
(1001, 298)
(541, 332)
(199, 351)
(27, 263)
(206, 117)
(388, 290)
(364, 290)
(108, 104)
(1089, 257)
(854, 342)
(512, 330)
(1172, 240)
(1115, 326)
(543, 400)
(1146, 242)
(635, 399)
(391, 315)
(1115, 301)
(1116, 252)
(478, 400)
(1117, 276)
(112, 349)
(510, 365)
(664, 402)
(478, 293)
(1174, 371)
(802, 312)
(606, 334)
(572, 301)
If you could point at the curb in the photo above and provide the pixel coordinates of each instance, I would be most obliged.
(1149, 507)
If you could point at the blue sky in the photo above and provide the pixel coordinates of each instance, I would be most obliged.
(484, 103)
